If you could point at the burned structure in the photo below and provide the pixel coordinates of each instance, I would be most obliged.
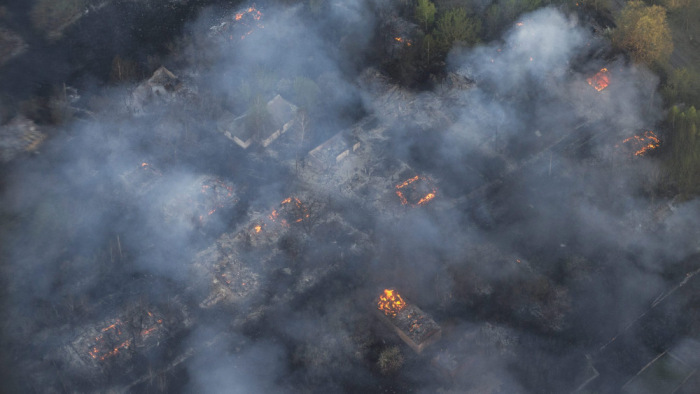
(415, 327)
(278, 117)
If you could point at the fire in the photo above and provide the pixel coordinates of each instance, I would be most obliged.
(390, 303)
(104, 347)
(257, 228)
(408, 189)
(644, 143)
(293, 207)
(601, 80)
(427, 198)
(402, 40)
(250, 13)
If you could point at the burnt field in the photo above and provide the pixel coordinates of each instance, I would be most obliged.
(269, 211)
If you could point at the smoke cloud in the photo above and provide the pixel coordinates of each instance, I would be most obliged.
(540, 246)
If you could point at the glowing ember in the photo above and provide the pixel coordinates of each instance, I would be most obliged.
(291, 208)
(403, 41)
(390, 303)
(601, 80)
(644, 143)
(249, 19)
(418, 189)
(115, 338)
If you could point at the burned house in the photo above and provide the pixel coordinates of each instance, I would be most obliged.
(415, 327)
(415, 191)
(280, 117)
(116, 347)
(162, 87)
(18, 136)
(231, 280)
(334, 150)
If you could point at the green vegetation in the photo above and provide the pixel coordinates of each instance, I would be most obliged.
(502, 13)
(49, 16)
(643, 31)
(684, 145)
(683, 86)
(455, 27)
(425, 14)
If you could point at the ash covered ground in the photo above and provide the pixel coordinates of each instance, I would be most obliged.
(172, 237)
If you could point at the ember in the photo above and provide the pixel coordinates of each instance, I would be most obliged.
(416, 191)
(413, 326)
(390, 303)
(402, 40)
(601, 80)
(116, 337)
(243, 22)
(291, 210)
(643, 144)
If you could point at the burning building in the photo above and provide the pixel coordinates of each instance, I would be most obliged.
(112, 347)
(416, 191)
(600, 80)
(640, 145)
(412, 325)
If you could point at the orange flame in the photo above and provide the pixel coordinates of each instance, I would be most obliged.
(390, 303)
(403, 41)
(257, 228)
(601, 80)
(645, 143)
(301, 210)
(423, 200)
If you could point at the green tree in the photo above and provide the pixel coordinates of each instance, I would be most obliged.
(643, 31)
(683, 86)
(684, 158)
(455, 27)
(425, 13)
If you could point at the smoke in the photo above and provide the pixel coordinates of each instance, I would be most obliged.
(539, 247)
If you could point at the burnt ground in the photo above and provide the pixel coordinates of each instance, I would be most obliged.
(544, 241)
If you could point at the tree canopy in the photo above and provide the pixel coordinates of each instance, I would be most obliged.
(425, 13)
(643, 31)
(684, 159)
(454, 26)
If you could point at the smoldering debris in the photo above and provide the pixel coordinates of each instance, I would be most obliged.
(224, 224)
